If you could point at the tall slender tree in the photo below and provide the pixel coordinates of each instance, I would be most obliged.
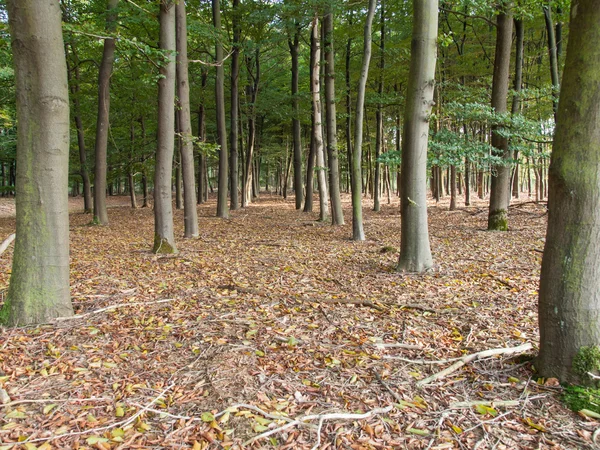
(415, 252)
(569, 305)
(102, 122)
(500, 186)
(39, 282)
(358, 233)
(234, 110)
(294, 44)
(164, 239)
(185, 126)
(337, 214)
(379, 135)
(222, 209)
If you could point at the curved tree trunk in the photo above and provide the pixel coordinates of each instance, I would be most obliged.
(164, 240)
(569, 305)
(39, 283)
(415, 253)
(337, 215)
(222, 209)
(358, 233)
(500, 188)
(102, 123)
(186, 137)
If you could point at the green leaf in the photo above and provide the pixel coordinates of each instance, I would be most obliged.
(49, 408)
(16, 414)
(207, 417)
(93, 440)
(418, 432)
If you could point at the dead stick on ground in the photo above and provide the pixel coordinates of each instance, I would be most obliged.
(113, 307)
(6, 243)
(473, 357)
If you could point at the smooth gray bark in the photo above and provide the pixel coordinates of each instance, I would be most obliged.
(249, 177)
(190, 218)
(235, 100)
(337, 215)
(358, 233)
(164, 240)
(379, 136)
(222, 209)
(569, 304)
(103, 119)
(39, 282)
(415, 252)
(500, 186)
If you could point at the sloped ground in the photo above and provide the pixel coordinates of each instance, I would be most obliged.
(272, 321)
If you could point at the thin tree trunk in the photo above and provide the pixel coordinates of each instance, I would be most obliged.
(379, 114)
(102, 123)
(186, 138)
(39, 282)
(250, 189)
(452, 188)
(349, 105)
(310, 169)
(415, 252)
(130, 174)
(222, 209)
(233, 128)
(296, 132)
(500, 187)
(164, 240)
(358, 233)
(553, 58)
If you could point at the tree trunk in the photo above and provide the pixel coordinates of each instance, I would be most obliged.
(415, 253)
(164, 240)
(222, 209)
(569, 304)
(310, 168)
(500, 188)
(349, 105)
(318, 123)
(358, 233)
(294, 45)
(202, 169)
(39, 282)
(233, 129)
(553, 58)
(186, 138)
(337, 215)
(102, 123)
(379, 114)
(250, 189)
(452, 188)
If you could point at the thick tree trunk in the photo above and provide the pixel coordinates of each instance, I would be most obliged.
(235, 100)
(569, 304)
(358, 233)
(379, 136)
(318, 123)
(222, 209)
(337, 215)
(296, 134)
(415, 253)
(102, 123)
(164, 240)
(186, 138)
(500, 188)
(39, 282)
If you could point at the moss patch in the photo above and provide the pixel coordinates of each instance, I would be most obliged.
(162, 245)
(498, 220)
(581, 397)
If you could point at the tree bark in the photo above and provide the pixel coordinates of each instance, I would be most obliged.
(358, 233)
(415, 252)
(296, 132)
(186, 138)
(569, 304)
(349, 105)
(249, 177)
(379, 136)
(452, 188)
(222, 209)
(517, 87)
(552, 52)
(235, 100)
(500, 187)
(102, 123)
(164, 240)
(337, 215)
(39, 282)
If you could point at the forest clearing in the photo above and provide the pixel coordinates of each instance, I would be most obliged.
(270, 317)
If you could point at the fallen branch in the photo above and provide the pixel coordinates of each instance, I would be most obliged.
(492, 403)
(349, 301)
(57, 400)
(322, 418)
(473, 357)
(113, 307)
(6, 243)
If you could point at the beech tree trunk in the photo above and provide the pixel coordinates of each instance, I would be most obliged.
(569, 304)
(186, 138)
(235, 101)
(517, 86)
(415, 252)
(164, 240)
(296, 132)
(102, 122)
(500, 187)
(337, 215)
(379, 136)
(318, 124)
(552, 52)
(250, 179)
(358, 233)
(222, 209)
(39, 282)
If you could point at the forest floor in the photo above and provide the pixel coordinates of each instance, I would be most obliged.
(272, 330)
